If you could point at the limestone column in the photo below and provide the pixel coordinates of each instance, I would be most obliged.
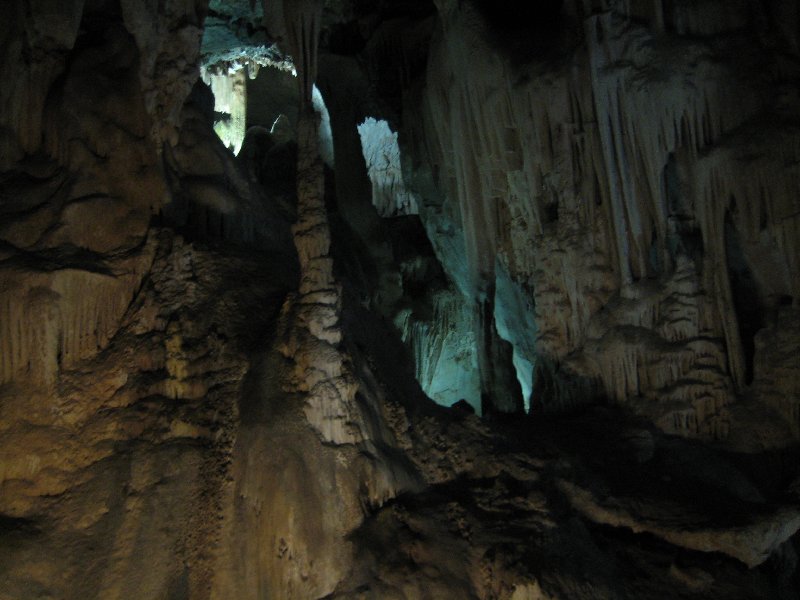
(320, 372)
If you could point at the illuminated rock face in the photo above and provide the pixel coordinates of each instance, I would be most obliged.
(382, 155)
(638, 192)
(213, 368)
(230, 103)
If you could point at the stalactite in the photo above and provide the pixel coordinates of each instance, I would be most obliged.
(500, 390)
(322, 372)
(390, 195)
(53, 321)
(230, 99)
(575, 199)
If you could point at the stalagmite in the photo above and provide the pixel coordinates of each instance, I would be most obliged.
(321, 373)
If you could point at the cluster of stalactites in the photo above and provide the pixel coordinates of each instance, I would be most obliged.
(593, 183)
(230, 106)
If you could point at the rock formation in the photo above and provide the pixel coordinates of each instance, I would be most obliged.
(573, 224)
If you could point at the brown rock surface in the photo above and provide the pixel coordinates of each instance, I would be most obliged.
(212, 368)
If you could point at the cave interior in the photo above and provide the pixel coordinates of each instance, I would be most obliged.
(400, 299)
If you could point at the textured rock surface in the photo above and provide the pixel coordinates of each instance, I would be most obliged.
(639, 193)
(112, 479)
(213, 369)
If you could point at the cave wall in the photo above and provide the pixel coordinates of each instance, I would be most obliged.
(120, 380)
(143, 276)
(106, 418)
(631, 168)
(610, 210)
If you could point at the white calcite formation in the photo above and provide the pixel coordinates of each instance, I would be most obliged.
(321, 372)
(446, 364)
(230, 103)
(622, 181)
(382, 155)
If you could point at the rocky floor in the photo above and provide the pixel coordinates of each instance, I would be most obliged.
(145, 492)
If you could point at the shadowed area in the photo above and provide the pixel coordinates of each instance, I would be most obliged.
(399, 300)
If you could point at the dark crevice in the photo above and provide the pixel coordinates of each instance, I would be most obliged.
(746, 300)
